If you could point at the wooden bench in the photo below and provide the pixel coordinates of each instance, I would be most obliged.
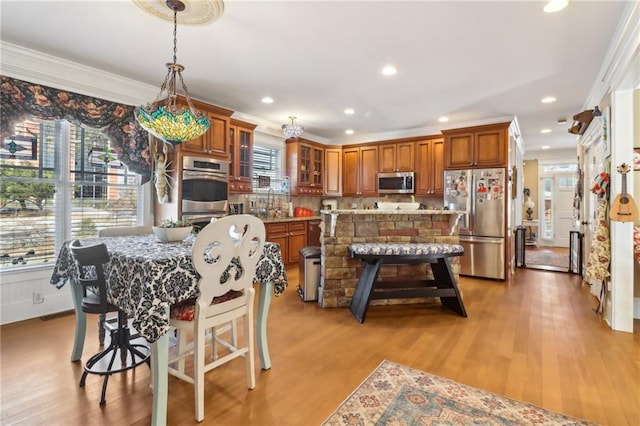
(374, 255)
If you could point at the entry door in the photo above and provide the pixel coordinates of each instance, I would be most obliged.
(557, 214)
(564, 190)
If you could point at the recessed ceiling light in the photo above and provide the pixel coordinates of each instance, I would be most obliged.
(545, 147)
(389, 70)
(349, 111)
(545, 131)
(349, 132)
(548, 100)
(443, 119)
(267, 100)
(555, 6)
(562, 121)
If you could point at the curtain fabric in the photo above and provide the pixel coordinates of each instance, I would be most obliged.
(19, 100)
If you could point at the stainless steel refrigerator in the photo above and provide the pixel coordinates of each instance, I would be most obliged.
(482, 193)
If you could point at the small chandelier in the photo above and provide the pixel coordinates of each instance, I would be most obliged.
(164, 118)
(292, 130)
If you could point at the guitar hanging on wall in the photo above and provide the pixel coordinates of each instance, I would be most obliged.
(624, 208)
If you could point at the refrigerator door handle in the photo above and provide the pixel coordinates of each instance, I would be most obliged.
(472, 200)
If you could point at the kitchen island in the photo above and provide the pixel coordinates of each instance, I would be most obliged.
(341, 228)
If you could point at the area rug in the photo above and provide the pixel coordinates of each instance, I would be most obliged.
(396, 395)
(546, 258)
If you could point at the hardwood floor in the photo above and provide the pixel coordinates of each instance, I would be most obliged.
(535, 339)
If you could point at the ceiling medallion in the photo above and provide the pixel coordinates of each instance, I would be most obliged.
(196, 12)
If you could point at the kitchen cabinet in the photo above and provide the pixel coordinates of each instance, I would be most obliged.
(215, 142)
(333, 171)
(396, 157)
(305, 166)
(240, 156)
(476, 147)
(429, 167)
(360, 167)
(291, 236)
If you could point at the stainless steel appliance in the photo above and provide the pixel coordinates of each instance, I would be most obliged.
(309, 273)
(329, 204)
(482, 194)
(396, 183)
(204, 185)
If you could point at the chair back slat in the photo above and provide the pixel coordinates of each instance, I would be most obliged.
(225, 254)
(90, 261)
(121, 231)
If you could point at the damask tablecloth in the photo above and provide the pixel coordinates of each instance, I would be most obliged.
(146, 276)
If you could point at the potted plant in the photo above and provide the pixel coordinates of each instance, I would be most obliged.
(172, 230)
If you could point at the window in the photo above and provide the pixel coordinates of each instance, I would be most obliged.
(59, 181)
(267, 161)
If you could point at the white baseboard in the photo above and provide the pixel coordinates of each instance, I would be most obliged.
(25, 309)
(636, 307)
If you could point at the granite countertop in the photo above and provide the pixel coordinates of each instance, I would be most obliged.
(397, 211)
(289, 219)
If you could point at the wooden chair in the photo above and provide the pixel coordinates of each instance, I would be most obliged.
(225, 254)
(111, 323)
(120, 231)
(121, 354)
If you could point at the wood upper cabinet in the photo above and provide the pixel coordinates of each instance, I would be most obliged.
(396, 157)
(240, 156)
(360, 167)
(333, 171)
(476, 147)
(215, 142)
(429, 167)
(305, 166)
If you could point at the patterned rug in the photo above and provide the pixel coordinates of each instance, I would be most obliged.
(396, 395)
(546, 258)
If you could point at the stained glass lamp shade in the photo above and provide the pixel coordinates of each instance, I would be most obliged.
(164, 118)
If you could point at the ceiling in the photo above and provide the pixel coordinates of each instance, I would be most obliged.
(472, 61)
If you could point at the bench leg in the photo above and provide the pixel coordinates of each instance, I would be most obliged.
(444, 279)
(362, 295)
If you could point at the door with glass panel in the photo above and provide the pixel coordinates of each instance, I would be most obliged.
(557, 219)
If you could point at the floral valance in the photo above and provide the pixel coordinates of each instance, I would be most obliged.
(21, 100)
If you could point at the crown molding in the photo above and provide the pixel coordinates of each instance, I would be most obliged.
(623, 51)
(41, 68)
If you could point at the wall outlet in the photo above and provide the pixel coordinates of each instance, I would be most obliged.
(38, 298)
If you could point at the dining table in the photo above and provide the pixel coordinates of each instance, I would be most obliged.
(145, 277)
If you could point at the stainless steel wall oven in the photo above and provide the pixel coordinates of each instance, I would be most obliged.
(204, 185)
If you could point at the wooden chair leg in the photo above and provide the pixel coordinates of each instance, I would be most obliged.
(198, 371)
(248, 341)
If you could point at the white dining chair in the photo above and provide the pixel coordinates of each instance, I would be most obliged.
(225, 254)
(121, 231)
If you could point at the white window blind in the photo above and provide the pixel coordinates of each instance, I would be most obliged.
(71, 186)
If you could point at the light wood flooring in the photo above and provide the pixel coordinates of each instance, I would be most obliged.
(535, 339)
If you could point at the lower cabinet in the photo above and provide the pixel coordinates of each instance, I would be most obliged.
(292, 236)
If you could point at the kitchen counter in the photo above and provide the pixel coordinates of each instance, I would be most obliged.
(289, 219)
(335, 213)
(339, 271)
(397, 211)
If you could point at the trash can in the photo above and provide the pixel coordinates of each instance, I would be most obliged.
(309, 273)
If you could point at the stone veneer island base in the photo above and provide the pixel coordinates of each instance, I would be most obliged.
(339, 272)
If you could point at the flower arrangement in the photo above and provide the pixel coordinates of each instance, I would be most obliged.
(170, 223)
(173, 230)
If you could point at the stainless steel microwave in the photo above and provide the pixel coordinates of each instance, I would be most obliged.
(396, 183)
